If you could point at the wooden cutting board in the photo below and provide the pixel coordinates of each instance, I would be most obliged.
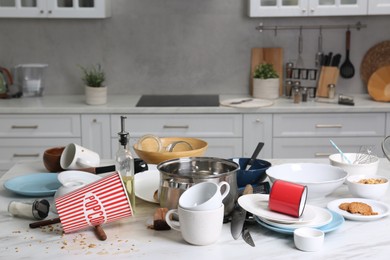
(273, 56)
(379, 84)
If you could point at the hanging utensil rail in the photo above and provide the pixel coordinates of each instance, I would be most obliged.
(277, 28)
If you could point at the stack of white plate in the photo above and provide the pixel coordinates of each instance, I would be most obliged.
(313, 216)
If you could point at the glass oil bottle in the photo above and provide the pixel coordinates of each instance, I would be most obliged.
(125, 162)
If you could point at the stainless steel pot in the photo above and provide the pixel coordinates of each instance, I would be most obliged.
(177, 175)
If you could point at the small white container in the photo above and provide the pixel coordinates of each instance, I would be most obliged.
(368, 191)
(366, 168)
(308, 239)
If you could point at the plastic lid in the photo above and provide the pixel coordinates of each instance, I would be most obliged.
(40, 209)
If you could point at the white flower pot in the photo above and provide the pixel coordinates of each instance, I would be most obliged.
(95, 96)
(266, 88)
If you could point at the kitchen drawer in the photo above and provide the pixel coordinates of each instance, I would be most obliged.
(40, 126)
(205, 125)
(332, 124)
(321, 147)
(14, 150)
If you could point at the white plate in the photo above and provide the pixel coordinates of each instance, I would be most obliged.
(257, 204)
(337, 221)
(323, 217)
(253, 103)
(377, 206)
(146, 183)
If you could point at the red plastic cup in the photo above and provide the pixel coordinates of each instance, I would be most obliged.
(100, 202)
(288, 198)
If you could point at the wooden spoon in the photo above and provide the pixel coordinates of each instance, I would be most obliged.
(347, 70)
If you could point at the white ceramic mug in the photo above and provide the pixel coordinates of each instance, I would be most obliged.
(204, 196)
(75, 156)
(197, 227)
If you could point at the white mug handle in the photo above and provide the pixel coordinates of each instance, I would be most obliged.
(171, 223)
(224, 183)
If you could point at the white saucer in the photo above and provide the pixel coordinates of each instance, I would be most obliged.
(253, 103)
(377, 206)
(323, 217)
(146, 184)
(257, 204)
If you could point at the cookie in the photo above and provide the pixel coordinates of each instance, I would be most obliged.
(344, 206)
(361, 208)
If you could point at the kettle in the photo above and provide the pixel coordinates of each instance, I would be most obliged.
(30, 78)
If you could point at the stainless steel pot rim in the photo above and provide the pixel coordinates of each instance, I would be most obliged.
(234, 166)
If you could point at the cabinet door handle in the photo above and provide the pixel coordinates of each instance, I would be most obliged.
(176, 126)
(329, 126)
(24, 126)
(21, 155)
(322, 154)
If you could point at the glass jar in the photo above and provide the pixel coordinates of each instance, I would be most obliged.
(37, 209)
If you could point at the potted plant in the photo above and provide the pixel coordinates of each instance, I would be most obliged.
(95, 90)
(265, 82)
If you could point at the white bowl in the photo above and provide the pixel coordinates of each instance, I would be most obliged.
(368, 191)
(308, 239)
(367, 168)
(320, 179)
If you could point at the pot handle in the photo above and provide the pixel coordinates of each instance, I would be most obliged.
(227, 189)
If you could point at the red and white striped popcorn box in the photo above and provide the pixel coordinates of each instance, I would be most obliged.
(100, 202)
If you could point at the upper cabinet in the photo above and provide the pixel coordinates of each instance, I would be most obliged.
(289, 8)
(379, 7)
(55, 8)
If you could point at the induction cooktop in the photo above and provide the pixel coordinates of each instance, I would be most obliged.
(178, 101)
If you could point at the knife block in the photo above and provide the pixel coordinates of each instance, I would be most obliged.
(328, 75)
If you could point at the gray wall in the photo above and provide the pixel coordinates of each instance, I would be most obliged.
(173, 46)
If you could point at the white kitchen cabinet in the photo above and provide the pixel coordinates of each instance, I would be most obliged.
(96, 135)
(55, 8)
(286, 8)
(14, 150)
(320, 147)
(377, 7)
(307, 135)
(26, 137)
(223, 132)
(257, 128)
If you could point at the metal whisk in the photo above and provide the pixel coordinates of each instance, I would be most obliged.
(365, 155)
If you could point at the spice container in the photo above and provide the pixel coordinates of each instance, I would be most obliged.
(289, 69)
(296, 94)
(289, 84)
(304, 94)
(37, 209)
(331, 91)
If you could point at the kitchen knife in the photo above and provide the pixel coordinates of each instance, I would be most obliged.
(239, 216)
(98, 170)
(336, 60)
(247, 237)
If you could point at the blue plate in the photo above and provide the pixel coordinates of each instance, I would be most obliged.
(336, 222)
(37, 184)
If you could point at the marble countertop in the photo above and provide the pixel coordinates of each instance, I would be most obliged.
(131, 239)
(64, 104)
